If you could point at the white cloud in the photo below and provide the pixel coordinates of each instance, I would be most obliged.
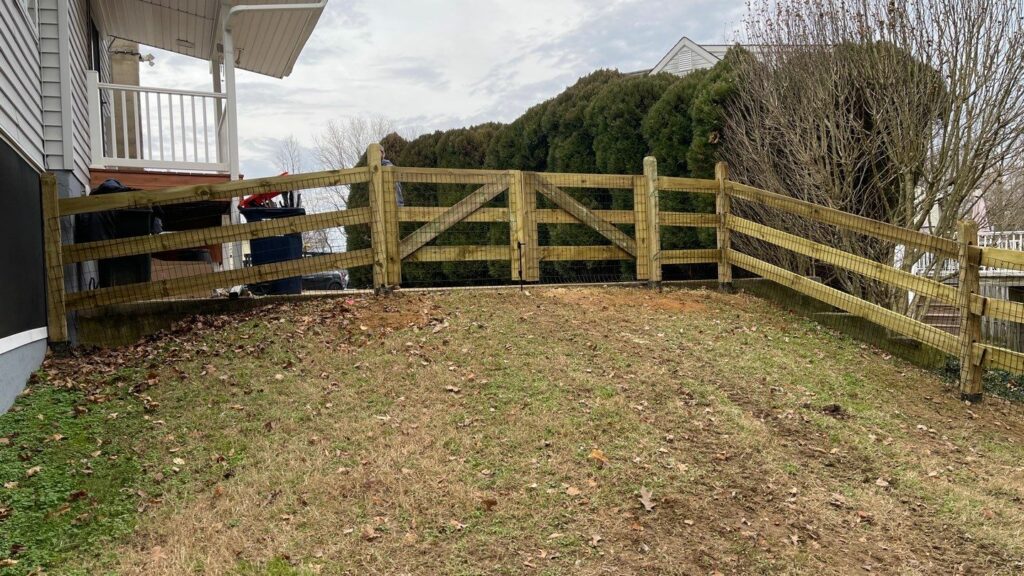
(437, 64)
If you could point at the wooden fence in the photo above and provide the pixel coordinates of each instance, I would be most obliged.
(388, 250)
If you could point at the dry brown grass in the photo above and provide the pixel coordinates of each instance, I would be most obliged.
(454, 433)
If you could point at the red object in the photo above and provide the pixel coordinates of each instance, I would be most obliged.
(257, 200)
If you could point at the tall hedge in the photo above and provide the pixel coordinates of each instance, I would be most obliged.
(604, 123)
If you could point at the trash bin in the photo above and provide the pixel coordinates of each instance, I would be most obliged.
(114, 224)
(275, 249)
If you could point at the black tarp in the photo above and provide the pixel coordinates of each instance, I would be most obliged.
(22, 265)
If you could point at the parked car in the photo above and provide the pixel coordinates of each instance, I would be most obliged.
(330, 280)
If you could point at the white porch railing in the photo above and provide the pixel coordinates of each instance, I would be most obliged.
(158, 128)
(1012, 240)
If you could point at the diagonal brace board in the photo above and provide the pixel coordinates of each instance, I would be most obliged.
(587, 216)
(450, 217)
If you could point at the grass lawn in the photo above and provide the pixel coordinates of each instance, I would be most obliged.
(556, 431)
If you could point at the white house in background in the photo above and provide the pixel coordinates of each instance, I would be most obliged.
(687, 56)
(70, 104)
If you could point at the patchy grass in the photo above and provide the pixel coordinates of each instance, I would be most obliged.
(482, 432)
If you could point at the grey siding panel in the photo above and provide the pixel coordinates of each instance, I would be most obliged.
(80, 52)
(20, 108)
(49, 64)
(81, 60)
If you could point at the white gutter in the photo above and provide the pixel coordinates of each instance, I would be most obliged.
(229, 86)
(229, 65)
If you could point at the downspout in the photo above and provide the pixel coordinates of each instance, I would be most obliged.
(229, 67)
(231, 110)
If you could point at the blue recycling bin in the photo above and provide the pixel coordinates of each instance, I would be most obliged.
(275, 249)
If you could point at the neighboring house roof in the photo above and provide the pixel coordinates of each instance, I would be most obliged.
(265, 42)
(687, 56)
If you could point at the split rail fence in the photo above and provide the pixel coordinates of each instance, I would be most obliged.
(746, 237)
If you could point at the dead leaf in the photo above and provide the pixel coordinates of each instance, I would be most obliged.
(573, 491)
(882, 482)
(595, 539)
(33, 471)
(645, 499)
(599, 456)
(456, 524)
(5, 441)
(178, 462)
(410, 538)
(489, 503)
(369, 533)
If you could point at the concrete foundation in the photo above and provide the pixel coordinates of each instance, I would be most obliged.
(16, 366)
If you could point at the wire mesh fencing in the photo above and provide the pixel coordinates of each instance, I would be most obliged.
(266, 236)
(952, 296)
(381, 226)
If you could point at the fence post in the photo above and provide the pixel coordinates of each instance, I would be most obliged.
(57, 320)
(970, 323)
(640, 223)
(516, 229)
(378, 231)
(522, 207)
(653, 224)
(723, 207)
(393, 253)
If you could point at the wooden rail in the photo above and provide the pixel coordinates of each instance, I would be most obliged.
(510, 197)
(852, 222)
(224, 191)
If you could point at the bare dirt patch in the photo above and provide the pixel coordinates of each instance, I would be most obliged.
(670, 301)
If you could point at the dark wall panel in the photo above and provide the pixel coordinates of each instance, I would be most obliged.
(22, 292)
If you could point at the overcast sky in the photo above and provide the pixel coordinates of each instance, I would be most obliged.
(436, 64)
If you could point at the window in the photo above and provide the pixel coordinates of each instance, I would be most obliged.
(31, 8)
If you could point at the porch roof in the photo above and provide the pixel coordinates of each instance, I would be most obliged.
(266, 42)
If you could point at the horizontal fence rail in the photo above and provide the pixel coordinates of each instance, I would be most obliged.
(946, 280)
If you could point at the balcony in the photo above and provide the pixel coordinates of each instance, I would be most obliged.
(160, 129)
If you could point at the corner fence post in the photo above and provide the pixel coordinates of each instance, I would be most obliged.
(378, 232)
(653, 222)
(723, 207)
(970, 323)
(57, 320)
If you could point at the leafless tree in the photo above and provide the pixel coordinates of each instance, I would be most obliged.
(903, 111)
(342, 143)
(290, 157)
(1004, 204)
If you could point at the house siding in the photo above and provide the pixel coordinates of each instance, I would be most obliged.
(687, 61)
(81, 62)
(49, 64)
(66, 139)
(20, 112)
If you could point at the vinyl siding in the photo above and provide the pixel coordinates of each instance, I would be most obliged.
(20, 110)
(78, 40)
(687, 61)
(49, 64)
(81, 62)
